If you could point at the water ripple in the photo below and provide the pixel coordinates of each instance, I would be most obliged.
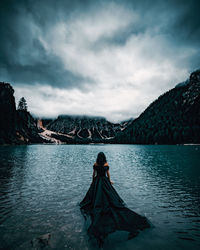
(41, 186)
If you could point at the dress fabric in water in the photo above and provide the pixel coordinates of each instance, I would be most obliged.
(107, 210)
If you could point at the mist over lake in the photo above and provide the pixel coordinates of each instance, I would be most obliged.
(41, 186)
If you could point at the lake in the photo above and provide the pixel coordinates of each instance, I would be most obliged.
(41, 186)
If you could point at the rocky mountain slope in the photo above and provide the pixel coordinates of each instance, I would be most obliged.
(174, 118)
(16, 126)
(83, 129)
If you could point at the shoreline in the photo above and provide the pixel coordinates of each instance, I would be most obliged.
(101, 143)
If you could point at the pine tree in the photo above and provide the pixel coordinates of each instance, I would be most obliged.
(22, 105)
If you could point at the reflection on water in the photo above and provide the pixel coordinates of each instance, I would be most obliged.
(40, 186)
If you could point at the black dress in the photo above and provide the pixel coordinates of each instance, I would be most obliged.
(107, 210)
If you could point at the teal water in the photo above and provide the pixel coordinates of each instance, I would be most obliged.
(40, 186)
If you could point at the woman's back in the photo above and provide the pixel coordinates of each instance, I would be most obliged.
(100, 169)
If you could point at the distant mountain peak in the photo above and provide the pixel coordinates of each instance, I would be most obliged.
(83, 128)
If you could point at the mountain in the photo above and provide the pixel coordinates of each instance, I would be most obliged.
(16, 126)
(174, 118)
(82, 129)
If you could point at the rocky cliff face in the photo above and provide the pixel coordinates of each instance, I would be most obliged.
(26, 128)
(84, 129)
(16, 126)
(173, 118)
(7, 113)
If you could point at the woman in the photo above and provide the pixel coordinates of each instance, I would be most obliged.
(106, 209)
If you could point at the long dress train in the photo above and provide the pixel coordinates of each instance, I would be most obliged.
(107, 210)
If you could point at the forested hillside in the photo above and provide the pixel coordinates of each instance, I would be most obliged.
(171, 119)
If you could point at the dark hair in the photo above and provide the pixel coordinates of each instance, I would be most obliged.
(101, 158)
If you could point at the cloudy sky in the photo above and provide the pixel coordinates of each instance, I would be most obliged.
(106, 58)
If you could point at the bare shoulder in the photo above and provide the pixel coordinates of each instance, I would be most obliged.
(106, 166)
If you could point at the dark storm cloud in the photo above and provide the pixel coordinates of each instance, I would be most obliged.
(25, 59)
(36, 66)
(187, 27)
(179, 19)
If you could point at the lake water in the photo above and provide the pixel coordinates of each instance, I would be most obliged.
(41, 185)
